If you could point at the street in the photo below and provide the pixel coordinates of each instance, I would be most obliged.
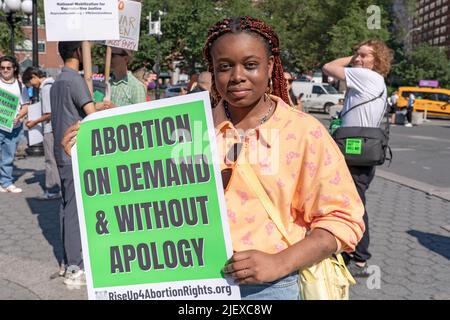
(421, 156)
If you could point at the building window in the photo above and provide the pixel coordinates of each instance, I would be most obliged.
(27, 46)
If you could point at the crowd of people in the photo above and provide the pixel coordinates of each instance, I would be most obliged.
(318, 201)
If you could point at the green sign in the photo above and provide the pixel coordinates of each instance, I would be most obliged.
(353, 146)
(8, 109)
(150, 202)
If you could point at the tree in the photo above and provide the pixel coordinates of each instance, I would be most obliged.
(315, 31)
(424, 62)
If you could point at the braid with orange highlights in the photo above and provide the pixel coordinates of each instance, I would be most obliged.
(258, 28)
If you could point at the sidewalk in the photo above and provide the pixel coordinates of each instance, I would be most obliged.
(408, 242)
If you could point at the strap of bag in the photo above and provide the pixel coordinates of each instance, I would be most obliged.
(255, 184)
(359, 105)
(272, 211)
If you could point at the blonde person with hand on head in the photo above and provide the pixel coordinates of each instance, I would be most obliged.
(304, 174)
(364, 74)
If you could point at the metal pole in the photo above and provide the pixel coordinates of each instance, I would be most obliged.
(10, 20)
(35, 35)
(158, 67)
(34, 28)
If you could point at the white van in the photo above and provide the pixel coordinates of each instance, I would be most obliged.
(316, 96)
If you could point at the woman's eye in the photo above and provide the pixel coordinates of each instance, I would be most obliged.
(224, 66)
(251, 65)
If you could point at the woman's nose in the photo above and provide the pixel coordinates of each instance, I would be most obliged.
(237, 74)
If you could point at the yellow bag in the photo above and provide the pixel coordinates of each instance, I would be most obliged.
(326, 280)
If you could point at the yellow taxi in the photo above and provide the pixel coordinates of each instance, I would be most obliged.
(436, 101)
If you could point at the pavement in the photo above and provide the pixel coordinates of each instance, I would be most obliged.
(410, 242)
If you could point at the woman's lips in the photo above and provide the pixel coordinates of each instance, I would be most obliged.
(239, 93)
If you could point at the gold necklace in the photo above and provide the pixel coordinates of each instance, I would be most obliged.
(261, 121)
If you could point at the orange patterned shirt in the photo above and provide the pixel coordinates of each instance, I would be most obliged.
(302, 171)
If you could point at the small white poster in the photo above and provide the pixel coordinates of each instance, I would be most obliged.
(68, 20)
(129, 25)
(35, 134)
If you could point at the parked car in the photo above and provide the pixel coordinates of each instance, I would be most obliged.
(175, 90)
(316, 96)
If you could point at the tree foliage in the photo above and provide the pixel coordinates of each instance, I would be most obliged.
(423, 63)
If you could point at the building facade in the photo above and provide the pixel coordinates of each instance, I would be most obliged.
(49, 59)
(432, 24)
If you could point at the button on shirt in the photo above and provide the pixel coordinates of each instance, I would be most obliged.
(127, 91)
(304, 174)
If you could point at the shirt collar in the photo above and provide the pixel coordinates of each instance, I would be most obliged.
(67, 69)
(123, 80)
(278, 120)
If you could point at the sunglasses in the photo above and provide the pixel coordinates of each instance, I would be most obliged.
(230, 158)
(119, 54)
(6, 68)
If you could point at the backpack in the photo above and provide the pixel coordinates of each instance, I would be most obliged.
(365, 146)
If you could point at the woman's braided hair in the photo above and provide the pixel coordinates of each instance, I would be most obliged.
(255, 27)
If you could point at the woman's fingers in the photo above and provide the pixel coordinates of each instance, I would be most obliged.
(69, 138)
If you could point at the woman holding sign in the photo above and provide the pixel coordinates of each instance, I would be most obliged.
(267, 143)
(264, 142)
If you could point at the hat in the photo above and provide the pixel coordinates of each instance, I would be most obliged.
(121, 52)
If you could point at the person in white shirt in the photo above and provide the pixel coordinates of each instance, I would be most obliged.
(9, 73)
(409, 110)
(371, 62)
(36, 78)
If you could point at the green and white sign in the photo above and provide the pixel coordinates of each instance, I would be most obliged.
(151, 204)
(9, 103)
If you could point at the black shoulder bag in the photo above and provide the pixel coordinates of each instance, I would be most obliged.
(365, 146)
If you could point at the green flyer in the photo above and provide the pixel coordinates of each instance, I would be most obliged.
(8, 109)
(150, 202)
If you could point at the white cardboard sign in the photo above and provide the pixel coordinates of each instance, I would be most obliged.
(35, 134)
(68, 20)
(129, 26)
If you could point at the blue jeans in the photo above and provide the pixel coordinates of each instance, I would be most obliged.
(282, 289)
(8, 146)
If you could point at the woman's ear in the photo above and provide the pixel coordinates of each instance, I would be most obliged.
(270, 65)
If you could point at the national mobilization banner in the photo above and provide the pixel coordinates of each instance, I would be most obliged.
(150, 202)
(9, 103)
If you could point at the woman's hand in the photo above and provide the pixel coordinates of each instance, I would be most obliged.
(254, 267)
(70, 137)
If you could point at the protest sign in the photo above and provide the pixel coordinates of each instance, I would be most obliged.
(151, 204)
(35, 134)
(67, 20)
(9, 103)
(129, 26)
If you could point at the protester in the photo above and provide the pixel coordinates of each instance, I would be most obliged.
(70, 102)
(300, 103)
(409, 110)
(193, 82)
(312, 188)
(365, 81)
(292, 98)
(9, 81)
(36, 78)
(203, 82)
(308, 181)
(393, 100)
(126, 89)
